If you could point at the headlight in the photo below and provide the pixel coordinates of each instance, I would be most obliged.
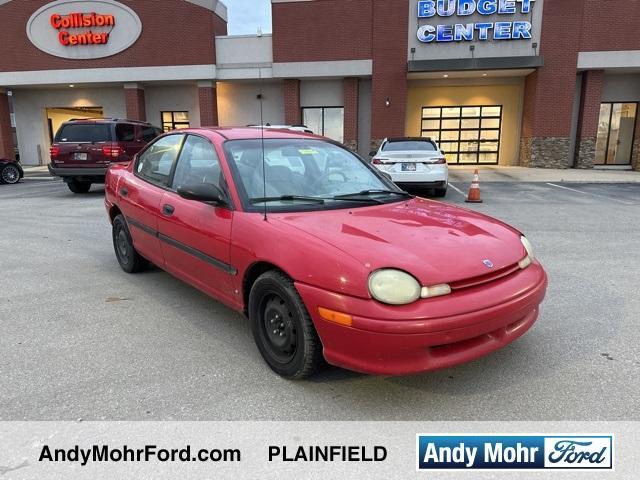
(525, 262)
(394, 287)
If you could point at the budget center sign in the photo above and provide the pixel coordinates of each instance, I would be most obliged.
(451, 20)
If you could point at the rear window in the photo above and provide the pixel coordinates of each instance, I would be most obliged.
(84, 132)
(409, 145)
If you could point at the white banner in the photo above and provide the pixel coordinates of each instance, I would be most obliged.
(273, 450)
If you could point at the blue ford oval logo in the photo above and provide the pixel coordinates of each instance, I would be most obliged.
(488, 263)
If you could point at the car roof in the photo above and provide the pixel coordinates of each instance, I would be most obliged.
(252, 133)
(409, 139)
(105, 120)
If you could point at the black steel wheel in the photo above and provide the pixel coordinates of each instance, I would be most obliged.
(282, 327)
(128, 258)
(10, 174)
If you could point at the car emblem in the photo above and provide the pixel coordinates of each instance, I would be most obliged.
(488, 263)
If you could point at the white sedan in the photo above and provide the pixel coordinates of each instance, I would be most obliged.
(413, 162)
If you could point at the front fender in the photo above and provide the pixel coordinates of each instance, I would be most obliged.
(304, 257)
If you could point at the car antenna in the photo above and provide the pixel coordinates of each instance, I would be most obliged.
(264, 166)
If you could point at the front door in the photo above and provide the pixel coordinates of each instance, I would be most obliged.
(141, 194)
(615, 133)
(195, 237)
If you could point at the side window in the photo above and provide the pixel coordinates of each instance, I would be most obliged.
(156, 162)
(149, 133)
(198, 163)
(125, 132)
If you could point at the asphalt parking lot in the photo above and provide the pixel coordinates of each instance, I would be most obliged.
(82, 340)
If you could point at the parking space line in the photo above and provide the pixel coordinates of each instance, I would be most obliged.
(590, 194)
(458, 190)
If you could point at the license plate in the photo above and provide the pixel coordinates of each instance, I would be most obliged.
(408, 167)
(80, 156)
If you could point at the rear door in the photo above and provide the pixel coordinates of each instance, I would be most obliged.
(195, 236)
(81, 144)
(127, 140)
(140, 194)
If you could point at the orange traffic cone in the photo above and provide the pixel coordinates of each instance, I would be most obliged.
(474, 191)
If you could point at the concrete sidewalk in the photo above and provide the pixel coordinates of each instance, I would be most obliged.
(543, 175)
(40, 172)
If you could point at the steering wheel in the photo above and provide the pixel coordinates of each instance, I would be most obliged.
(325, 176)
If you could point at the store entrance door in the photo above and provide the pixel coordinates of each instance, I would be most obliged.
(615, 133)
(56, 116)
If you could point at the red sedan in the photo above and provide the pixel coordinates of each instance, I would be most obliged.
(327, 257)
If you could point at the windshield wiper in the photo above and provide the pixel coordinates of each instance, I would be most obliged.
(369, 193)
(287, 198)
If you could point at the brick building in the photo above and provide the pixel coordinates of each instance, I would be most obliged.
(509, 82)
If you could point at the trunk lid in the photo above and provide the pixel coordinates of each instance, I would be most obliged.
(81, 144)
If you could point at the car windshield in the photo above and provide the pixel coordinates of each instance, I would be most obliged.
(304, 174)
(410, 145)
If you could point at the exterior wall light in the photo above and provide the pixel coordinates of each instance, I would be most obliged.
(387, 102)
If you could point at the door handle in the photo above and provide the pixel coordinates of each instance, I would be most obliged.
(124, 192)
(168, 210)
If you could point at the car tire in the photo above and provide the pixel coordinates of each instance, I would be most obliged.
(282, 327)
(79, 187)
(440, 192)
(10, 174)
(129, 259)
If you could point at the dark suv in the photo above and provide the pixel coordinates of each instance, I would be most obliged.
(83, 149)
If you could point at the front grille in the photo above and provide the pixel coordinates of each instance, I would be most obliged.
(489, 277)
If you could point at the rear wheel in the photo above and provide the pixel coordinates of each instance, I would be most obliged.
(440, 192)
(77, 186)
(282, 327)
(128, 258)
(10, 174)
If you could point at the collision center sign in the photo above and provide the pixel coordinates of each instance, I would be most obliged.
(78, 21)
(81, 29)
(499, 20)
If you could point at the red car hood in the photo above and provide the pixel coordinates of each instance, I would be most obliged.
(435, 242)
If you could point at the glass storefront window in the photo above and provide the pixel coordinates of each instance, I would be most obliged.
(325, 121)
(431, 124)
(467, 134)
(616, 127)
(451, 112)
(472, 112)
(174, 120)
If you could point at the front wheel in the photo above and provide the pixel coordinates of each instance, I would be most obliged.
(128, 258)
(79, 187)
(10, 174)
(282, 327)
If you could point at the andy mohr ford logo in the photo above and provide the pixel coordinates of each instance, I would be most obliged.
(514, 452)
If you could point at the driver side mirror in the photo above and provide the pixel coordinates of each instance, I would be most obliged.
(373, 153)
(386, 175)
(203, 192)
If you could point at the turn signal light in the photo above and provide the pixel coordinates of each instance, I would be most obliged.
(335, 317)
(54, 152)
(112, 151)
(525, 262)
(435, 291)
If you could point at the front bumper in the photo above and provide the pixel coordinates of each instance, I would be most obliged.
(435, 333)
